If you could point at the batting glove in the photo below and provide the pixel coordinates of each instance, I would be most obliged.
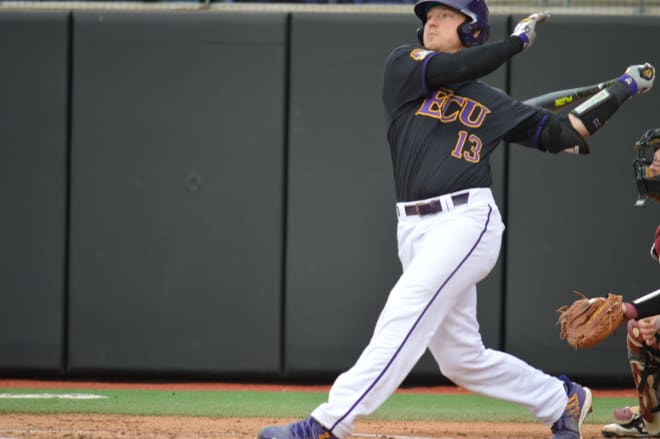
(639, 78)
(526, 28)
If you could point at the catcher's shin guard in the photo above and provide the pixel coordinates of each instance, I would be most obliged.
(644, 362)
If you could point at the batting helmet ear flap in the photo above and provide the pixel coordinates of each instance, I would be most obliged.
(420, 35)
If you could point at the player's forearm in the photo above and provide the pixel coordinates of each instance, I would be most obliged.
(578, 125)
(645, 306)
(597, 110)
(469, 64)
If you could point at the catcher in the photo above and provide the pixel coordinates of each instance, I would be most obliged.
(644, 357)
(588, 321)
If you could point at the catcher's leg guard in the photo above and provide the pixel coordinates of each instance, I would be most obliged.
(644, 363)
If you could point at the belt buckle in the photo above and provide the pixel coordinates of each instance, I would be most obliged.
(428, 208)
(460, 199)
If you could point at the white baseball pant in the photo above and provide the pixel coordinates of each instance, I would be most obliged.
(434, 305)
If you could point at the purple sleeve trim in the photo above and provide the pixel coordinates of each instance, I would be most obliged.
(425, 86)
(539, 128)
(630, 83)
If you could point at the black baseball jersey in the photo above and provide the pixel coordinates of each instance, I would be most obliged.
(441, 139)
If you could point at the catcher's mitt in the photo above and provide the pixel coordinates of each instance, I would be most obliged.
(587, 322)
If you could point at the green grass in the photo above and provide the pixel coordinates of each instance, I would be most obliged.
(404, 406)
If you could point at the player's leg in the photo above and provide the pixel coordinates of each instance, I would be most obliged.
(645, 367)
(462, 357)
(451, 252)
(642, 420)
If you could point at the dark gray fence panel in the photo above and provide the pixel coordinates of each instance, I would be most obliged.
(177, 193)
(572, 224)
(33, 130)
(341, 238)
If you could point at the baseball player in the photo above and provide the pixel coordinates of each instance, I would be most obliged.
(442, 125)
(644, 317)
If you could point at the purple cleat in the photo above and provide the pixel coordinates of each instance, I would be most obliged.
(306, 429)
(569, 426)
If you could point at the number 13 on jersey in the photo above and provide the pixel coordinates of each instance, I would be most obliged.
(468, 147)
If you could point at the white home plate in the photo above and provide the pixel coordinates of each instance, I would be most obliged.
(50, 396)
(393, 436)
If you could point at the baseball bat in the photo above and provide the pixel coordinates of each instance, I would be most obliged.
(556, 100)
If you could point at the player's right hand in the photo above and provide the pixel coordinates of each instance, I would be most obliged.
(649, 327)
(526, 28)
(639, 78)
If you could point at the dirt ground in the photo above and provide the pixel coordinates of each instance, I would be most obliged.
(115, 426)
(69, 426)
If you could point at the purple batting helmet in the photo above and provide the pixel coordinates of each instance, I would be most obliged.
(476, 11)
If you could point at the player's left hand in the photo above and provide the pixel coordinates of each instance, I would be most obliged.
(588, 321)
(526, 28)
(639, 78)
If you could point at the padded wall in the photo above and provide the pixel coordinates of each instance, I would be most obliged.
(177, 192)
(341, 235)
(197, 191)
(572, 224)
(33, 130)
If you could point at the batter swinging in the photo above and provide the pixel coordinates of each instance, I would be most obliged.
(442, 125)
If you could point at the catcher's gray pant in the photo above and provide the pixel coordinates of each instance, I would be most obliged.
(434, 305)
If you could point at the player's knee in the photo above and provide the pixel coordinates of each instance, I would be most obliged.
(634, 339)
(464, 364)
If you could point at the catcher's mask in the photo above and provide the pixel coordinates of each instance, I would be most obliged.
(647, 183)
(477, 19)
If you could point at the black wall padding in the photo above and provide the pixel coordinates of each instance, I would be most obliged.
(33, 130)
(572, 224)
(177, 193)
(224, 195)
(341, 235)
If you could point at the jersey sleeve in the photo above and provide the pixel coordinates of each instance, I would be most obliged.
(404, 77)
(528, 124)
(412, 72)
(472, 63)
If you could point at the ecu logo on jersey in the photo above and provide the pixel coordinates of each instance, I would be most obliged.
(419, 54)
